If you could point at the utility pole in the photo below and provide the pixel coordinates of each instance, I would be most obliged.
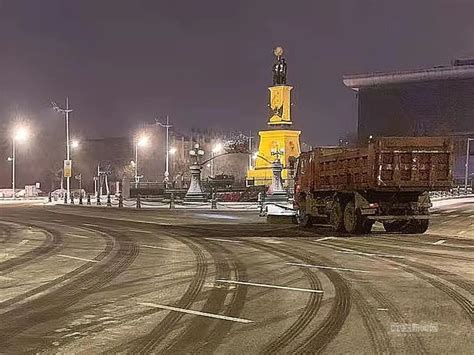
(468, 152)
(13, 166)
(167, 159)
(66, 112)
(136, 165)
(250, 150)
(20, 134)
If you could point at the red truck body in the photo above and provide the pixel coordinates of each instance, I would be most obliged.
(388, 180)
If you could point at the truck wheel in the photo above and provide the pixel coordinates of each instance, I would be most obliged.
(337, 216)
(367, 227)
(305, 221)
(353, 222)
(423, 225)
(416, 226)
(395, 226)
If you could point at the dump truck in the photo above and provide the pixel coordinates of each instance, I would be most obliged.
(388, 180)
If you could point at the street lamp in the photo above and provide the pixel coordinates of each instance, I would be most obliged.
(20, 134)
(195, 191)
(142, 141)
(468, 152)
(66, 112)
(167, 163)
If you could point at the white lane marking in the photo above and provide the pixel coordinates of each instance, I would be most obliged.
(272, 241)
(77, 236)
(382, 309)
(453, 216)
(77, 258)
(322, 239)
(90, 225)
(155, 247)
(61, 330)
(271, 286)
(218, 216)
(326, 267)
(197, 313)
(354, 252)
(462, 232)
(23, 242)
(140, 231)
(5, 278)
(71, 334)
(439, 242)
(224, 240)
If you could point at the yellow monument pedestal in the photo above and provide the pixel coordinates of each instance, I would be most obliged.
(280, 137)
(284, 140)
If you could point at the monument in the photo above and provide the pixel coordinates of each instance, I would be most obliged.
(279, 137)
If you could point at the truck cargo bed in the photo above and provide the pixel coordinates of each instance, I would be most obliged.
(387, 164)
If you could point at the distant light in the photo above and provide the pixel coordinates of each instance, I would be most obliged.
(75, 144)
(192, 152)
(200, 152)
(173, 150)
(10, 159)
(143, 141)
(196, 146)
(21, 134)
(217, 148)
(255, 155)
(132, 163)
(208, 165)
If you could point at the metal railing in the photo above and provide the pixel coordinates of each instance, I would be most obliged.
(455, 192)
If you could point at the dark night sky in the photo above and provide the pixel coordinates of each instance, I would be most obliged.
(209, 62)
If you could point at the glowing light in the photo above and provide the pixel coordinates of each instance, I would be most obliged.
(21, 134)
(217, 148)
(75, 144)
(143, 141)
(173, 150)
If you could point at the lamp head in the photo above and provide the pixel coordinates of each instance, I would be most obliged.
(143, 141)
(21, 134)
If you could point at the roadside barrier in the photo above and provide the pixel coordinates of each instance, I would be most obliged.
(172, 206)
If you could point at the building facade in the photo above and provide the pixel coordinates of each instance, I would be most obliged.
(430, 102)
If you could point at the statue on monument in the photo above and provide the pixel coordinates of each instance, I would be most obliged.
(279, 68)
